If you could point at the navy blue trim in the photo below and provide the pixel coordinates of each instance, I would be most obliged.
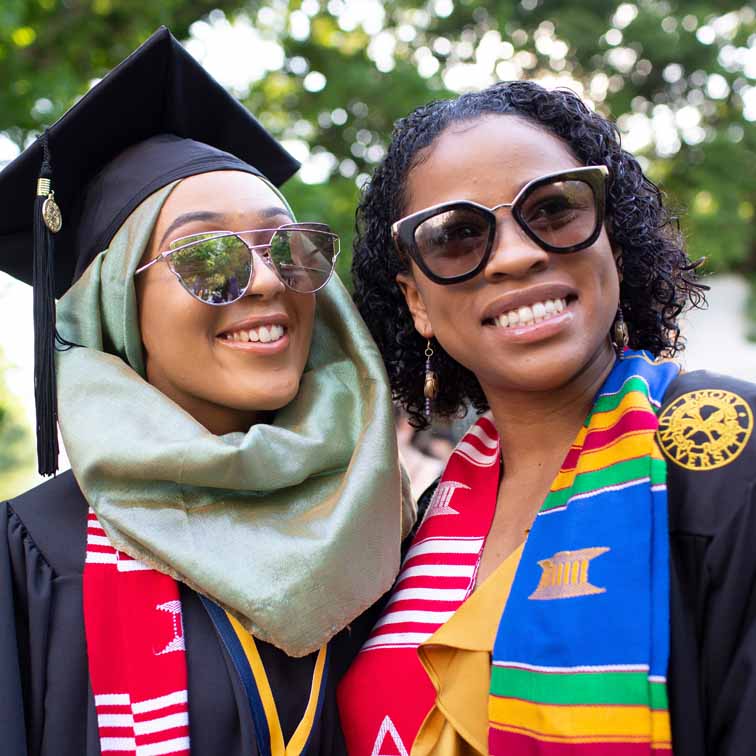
(231, 641)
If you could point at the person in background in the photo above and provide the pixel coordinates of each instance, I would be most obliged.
(582, 579)
(183, 588)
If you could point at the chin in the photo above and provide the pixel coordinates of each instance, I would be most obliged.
(539, 372)
(269, 402)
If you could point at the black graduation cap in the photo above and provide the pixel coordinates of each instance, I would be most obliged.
(155, 118)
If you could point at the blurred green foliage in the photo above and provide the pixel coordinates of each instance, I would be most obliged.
(17, 454)
(678, 76)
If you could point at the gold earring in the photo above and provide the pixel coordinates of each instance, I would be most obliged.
(620, 334)
(430, 388)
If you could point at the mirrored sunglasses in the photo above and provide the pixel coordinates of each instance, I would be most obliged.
(218, 267)
(452, 242)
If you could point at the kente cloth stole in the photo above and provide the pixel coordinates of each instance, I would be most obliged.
(137, 660)
(386, 694)
(581, 652)
(135, 647)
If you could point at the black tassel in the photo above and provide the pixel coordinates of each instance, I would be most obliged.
(47, 220)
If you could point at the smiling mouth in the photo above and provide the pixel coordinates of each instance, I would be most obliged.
(265, 334)
(526, 315)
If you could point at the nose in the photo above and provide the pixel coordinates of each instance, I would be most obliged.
(265, 281)
(514, 253)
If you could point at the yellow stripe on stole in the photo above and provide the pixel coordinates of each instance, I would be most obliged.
(632, 445)
(634, 400)
(583, 723)
(304, 728)
(602, 421)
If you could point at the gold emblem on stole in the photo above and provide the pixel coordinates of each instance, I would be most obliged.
(565, 575)
(705, 429)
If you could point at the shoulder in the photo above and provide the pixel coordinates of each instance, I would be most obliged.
(53, 516)
(706, 425)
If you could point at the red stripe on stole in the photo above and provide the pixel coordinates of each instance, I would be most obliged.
(633, 421)
(502, 743)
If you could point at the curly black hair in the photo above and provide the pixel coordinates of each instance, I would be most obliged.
(658, 279)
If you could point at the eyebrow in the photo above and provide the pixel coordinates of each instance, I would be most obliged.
(182, 220)
(272, 212)
(207, 215)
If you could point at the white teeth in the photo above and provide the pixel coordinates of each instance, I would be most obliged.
(536, 313)
(526, 315)
(265, 334)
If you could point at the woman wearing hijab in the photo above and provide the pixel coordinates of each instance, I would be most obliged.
(197, 582)
(582, 579)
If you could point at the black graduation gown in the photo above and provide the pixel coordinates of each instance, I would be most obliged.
(46, 704)
(711, 679)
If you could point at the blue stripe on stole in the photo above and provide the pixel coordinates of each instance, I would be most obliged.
(597, 629)
(661, 623)
(236, 652)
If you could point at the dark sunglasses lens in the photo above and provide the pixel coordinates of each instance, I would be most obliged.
(214, 269)
(454, 241)
(304, 257)
(561, 214)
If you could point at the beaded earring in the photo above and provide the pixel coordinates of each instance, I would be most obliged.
(430, 388)
(620, 334)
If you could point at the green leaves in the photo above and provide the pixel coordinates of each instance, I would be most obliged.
(680, 78)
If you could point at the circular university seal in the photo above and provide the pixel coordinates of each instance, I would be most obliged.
(705, 429)
(51, 214)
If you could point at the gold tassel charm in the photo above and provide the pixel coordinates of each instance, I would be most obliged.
(51, 214)
(430, 388)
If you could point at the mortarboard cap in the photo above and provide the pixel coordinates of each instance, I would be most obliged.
(155, 118)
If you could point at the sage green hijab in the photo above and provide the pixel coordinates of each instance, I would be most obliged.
(295, 526)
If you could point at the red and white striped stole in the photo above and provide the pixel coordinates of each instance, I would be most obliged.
(135, 647)
(386, 694)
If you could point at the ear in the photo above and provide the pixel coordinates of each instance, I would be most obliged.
(414, 299)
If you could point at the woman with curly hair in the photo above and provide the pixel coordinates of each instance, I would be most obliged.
(582, 579)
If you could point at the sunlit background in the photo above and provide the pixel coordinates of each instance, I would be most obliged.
(329, 79)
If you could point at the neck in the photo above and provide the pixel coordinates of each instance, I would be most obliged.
(221, 420)
(536, 428)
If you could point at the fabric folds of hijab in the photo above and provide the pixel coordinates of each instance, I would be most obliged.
(294, 527)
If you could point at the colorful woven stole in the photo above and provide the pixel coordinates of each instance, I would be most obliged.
(135, 646)
(581, 653)
(386, 694)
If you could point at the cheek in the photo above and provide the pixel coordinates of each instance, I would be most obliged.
(173, 327)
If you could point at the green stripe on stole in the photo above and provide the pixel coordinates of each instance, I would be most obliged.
(618, 473)
(582, 688)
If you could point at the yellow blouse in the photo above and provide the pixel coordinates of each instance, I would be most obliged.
(457, 659)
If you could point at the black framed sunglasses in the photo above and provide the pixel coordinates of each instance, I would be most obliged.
(452, 242)
(217, 267)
